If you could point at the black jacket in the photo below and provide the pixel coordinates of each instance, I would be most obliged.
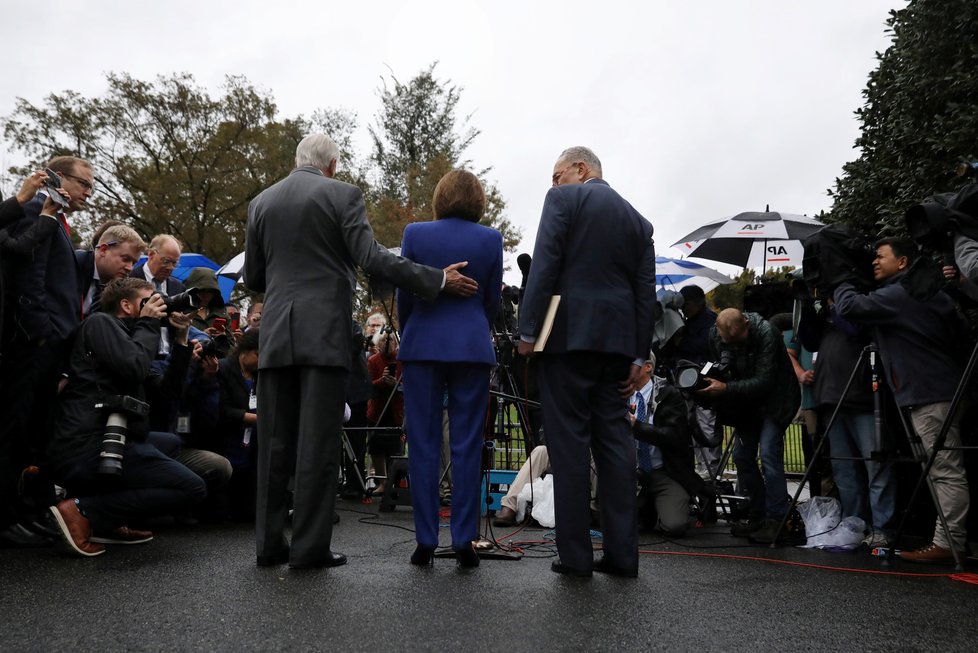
(109, 357)
(669, 431)
(763, 380)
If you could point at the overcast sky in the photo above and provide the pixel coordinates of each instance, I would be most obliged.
(697, 110)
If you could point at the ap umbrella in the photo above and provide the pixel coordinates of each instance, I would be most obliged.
(752, 239)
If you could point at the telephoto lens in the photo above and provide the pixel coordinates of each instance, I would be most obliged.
(113, 445)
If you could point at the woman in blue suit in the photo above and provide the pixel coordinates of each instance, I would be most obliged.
(446, 347)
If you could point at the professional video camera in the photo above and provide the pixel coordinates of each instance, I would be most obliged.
(933, 222)
(838, 254)
(120, 408)
(691, 376)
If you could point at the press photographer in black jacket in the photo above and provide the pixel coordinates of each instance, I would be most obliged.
(110, 360)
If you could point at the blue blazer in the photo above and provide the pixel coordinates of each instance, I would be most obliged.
(452, 329)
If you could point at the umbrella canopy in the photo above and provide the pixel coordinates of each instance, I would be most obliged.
(232, 269)
(189, 261)
(675, 273)
(752, 239)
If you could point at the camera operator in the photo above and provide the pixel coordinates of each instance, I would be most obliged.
(109, 363)
(759, 400)
(695, 346)
(916, 339)
(386, 407)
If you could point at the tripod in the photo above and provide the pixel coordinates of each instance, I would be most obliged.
(878, 454)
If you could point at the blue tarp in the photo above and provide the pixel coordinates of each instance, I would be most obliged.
(189, 261)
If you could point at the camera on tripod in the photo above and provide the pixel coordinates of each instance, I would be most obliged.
(120, 408)
(933, 222)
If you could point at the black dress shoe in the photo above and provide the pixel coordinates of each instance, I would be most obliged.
(331, 560)
(559, 567)
(605, 567)
(467, 557)
(18, 536)
(273, 560)
(43, 525)
(423, 556)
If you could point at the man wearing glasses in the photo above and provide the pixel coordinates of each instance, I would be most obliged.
(42, 293)
(595, 252)
(162, 258)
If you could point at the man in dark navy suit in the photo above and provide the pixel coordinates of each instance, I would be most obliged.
(162, 257)
(44, 312)
(595, 251)
(117, 250)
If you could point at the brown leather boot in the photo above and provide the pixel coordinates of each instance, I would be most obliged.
(75, 528)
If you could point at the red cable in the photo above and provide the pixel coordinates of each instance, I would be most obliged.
(968, 578)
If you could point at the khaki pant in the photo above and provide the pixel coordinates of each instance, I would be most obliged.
(947, 473)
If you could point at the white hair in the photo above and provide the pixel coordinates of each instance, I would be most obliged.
(580, 153)
(316, 150)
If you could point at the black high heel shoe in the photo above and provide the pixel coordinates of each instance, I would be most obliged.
(467, 557)
(423, 556)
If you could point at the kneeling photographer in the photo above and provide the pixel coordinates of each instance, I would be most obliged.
(99, 449)
(758, 396)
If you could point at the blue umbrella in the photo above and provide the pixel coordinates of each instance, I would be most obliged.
(677, 273)
(189, 261)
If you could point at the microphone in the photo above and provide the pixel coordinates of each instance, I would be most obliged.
(523, 262)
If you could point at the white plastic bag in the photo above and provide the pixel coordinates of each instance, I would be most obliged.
(543, 501)
(825, 527)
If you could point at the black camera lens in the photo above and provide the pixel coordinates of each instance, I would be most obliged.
(688, 378)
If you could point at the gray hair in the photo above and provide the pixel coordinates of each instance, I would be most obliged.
(581, 153)
(316, 150)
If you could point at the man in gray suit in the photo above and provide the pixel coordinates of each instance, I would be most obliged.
(596, 252)
(305, 237)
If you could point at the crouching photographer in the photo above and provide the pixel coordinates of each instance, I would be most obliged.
(99, 449)
(758, 396)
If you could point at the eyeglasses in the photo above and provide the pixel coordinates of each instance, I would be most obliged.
(87, 185)
(560, 173)
(166, 261)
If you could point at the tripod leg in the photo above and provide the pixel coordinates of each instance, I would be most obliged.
(955, 493)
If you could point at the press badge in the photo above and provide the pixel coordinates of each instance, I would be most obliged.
(183, 424)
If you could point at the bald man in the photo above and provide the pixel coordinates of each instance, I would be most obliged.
(759, 398)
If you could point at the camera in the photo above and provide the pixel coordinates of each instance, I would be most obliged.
(217, 347)
(933, 222)
(838, 254)
(119, 408)
(690, 376)
(183, 302)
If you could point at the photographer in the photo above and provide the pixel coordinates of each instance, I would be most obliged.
(916, 339)
(759, 399)
(386, 407)
(109, 363)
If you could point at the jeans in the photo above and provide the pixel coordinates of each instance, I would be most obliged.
(853, 436)
(768, 493)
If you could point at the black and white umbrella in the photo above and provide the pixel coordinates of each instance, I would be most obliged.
(751, 240)
(232, 269)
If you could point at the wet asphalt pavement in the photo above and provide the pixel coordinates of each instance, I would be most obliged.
(197, 588)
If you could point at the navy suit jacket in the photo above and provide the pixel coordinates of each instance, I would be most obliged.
(45, 288)
(596, 252)
(173, 285)
(452, 329)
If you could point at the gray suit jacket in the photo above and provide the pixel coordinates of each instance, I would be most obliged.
(305, 237)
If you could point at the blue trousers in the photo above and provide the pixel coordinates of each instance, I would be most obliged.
(425, 385)
(768, 493)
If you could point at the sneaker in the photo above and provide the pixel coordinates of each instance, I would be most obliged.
(745, 528)
(875, 539)
(931, 553)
